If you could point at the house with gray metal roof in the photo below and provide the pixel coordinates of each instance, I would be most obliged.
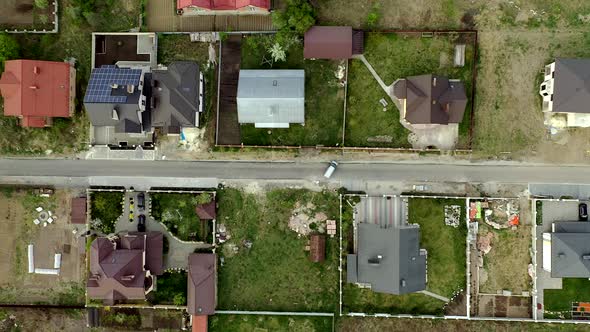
(271, 98)
(566, 91)
(569, 250)
(388, 259)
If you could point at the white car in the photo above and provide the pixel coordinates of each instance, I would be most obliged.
(330, 170)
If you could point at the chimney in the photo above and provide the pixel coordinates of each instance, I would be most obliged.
(434, 81)
(275, 83)
(115, 115)
(130, 88)
(36, 70)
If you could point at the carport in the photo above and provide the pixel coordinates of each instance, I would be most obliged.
(388, 210)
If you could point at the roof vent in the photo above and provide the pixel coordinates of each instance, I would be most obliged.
(36, 70)
(128, 277)
(130, 88)
(33, 87)
(434, 81)
(275, 83)
(586, 257)
(403, 282)
(115, 115)
(114, 86)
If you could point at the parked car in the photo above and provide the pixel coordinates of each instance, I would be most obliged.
(141, 201)
(583, 212)
(330, 170)
(141, 223)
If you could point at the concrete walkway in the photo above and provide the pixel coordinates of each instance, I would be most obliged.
(436, 296)
(374, 73)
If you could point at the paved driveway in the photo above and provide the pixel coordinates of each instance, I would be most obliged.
(178, 251)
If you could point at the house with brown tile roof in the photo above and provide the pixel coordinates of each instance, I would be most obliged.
(202, 288)
(431, 99)
(125, 268)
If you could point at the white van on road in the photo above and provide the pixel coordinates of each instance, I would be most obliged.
(330, 170)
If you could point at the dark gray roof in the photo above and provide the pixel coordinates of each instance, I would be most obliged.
(389, 259)
(570, 244)
(177, 95)
(571, 88)
(432, 99)
(102, 98)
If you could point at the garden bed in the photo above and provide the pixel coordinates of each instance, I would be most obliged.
(105, 209)
(177, 213)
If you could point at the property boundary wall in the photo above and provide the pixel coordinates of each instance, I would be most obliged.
(43, 31)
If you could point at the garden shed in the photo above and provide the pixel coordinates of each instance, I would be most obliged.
(317, 245)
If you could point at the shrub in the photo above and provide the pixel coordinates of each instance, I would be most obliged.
(41, 4)
(298, 17)
(9, 48)
(106, 208)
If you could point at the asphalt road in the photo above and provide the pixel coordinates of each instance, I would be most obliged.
(347, 172)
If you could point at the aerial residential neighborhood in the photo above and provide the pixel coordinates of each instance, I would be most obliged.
(294, 165)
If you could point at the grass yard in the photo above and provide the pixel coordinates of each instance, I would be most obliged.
(248, 323)
(177, 212)
(105, 208)
(324, 97)
(506, 265)
(171, 289)
(77, 19)
(395, 56)
(367, 125)
(275, 273)
(446, 245)
(558, 302)
(354, 324)
(356, 299)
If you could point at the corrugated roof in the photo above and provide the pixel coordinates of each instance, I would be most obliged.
(271, 96)
(36, 90)
(328, 42)
(78, 212)
(222, 4)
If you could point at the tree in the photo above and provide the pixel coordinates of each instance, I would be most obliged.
(179, 299)
(298, 17)
(9, 48)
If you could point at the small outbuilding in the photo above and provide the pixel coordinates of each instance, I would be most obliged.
(317, 248)
(271, 98)
(206, 211)
(332, 42)
(78, 211)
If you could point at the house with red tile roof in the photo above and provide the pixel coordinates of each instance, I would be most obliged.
(38, 91)
(222, 6)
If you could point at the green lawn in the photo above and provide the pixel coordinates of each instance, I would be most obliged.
(105, 208)
(558, 302)
(357, 299)
(394, 56)
(67, 136)
(324, 98)
(171, 289)
(275, 273)
(445, 245)
(367, 125)
(248, 323)
(177, 212)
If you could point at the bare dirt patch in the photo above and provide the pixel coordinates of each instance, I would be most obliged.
(16, 284)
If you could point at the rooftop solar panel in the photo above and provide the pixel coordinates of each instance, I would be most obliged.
(101, 80)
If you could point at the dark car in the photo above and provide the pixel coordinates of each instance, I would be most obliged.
(583, 212)
(141, 223)
(141, 201)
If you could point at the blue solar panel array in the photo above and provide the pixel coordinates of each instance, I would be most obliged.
(101, 81)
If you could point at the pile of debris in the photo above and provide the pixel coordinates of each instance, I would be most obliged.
(303, 219)
(484, 242)
(452, 215)
(499, 214)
